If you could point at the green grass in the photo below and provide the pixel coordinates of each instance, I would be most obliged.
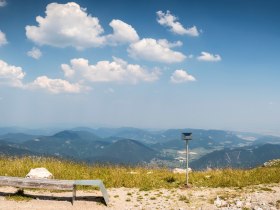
(184, 198)
(119, 176)
(18, 196)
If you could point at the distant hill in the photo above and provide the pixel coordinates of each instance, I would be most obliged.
(13, 150)
(17, 137)
(267, 139)
(126, 151)
(75, 144)
(201, 138)
(244, 157)
(85, 146)
(133, 146)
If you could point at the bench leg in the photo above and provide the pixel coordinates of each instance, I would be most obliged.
(74, 194)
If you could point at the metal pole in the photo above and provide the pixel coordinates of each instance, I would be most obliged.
(187, 158)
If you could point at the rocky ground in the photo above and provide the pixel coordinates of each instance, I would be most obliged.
(261, 197)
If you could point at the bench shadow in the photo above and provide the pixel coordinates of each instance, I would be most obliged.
(97, 199)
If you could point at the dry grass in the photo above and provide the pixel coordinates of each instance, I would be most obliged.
(120, 176)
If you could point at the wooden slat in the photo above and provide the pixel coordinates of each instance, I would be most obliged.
(37, 183)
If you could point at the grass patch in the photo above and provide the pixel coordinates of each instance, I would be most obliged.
(266, 189)
(18, 196)
(278, 204)
(118, 176)
(184, 198)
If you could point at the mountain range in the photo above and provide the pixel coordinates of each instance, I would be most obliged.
(217, 148)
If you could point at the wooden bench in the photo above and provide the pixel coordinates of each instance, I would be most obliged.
(53, 184)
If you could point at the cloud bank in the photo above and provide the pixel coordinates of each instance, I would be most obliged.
(105, 71)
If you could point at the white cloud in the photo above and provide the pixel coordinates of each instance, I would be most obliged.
(180, 76)
(167, 19)
(11, 75)
(34, 53)
(3, 3)
(66, 25)
(122, 33)
(70, 25)
(155, 50)
(54, 86)
(105, 71)
(205, 56)
(3, 39)
(165, 43)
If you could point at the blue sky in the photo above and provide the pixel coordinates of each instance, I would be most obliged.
(148, 64)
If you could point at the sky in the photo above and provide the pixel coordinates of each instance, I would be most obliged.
(148, 64)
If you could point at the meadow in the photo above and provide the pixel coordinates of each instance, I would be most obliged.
(116, 176)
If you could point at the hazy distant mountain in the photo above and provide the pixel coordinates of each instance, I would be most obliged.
(132, 146)
(245, 157)
(17, 137)
(268, 139)
(201, 138)
(75, 144)
(43, 131)
(83, 145)
(125, 151)
(13, 150)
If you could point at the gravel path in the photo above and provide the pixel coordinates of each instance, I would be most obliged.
(262, 197)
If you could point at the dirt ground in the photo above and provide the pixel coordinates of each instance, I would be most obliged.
(255, 197)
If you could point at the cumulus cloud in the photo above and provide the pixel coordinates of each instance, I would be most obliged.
(3, 3)
(155, 50)
(54, 86)
(105, 71)
(34, 53)
(11, 75)
(3, 39)
(122, 33)
(180, 76)
(170, 21)
(205, 56)
(66, 25)
(70, 25)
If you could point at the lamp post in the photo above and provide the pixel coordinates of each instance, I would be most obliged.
(186, 137)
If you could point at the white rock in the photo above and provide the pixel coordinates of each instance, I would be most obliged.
(219, 202)
(257, 208)
(239, 204)
(39, 173)
(181, 170)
